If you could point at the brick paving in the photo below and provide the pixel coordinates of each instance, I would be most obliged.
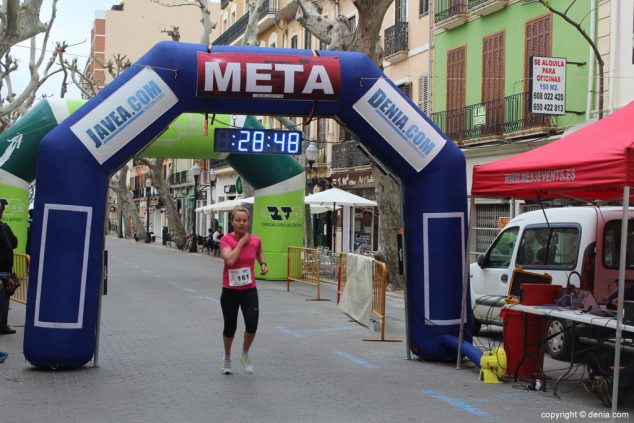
(160, 351)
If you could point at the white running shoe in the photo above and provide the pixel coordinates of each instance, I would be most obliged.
(246, 363)
(225, 365)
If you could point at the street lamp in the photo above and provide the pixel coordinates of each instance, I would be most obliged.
(212, 175)
(196, 172)
(312, 153)
(148, 190)
(212, 178)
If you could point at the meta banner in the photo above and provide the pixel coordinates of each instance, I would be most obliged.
(400, 124)
(270, 76)
(122, 116)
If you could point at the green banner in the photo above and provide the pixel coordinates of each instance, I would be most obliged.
(186, 138)
(279, 220)
(16, 213)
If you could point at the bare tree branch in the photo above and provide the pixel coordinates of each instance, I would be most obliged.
(309, 16)
(250, 37)
(19, 22)
(205, 14)
(173, 33)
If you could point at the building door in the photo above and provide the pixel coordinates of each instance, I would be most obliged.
(538, 42)
(456, 92)
(493, 84)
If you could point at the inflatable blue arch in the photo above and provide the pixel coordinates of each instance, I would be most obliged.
(76, 158)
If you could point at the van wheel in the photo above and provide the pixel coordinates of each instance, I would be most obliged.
(476, 326)
(560, 345)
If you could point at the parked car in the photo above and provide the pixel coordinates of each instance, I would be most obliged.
(579, 246)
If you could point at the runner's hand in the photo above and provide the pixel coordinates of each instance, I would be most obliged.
(244, 240)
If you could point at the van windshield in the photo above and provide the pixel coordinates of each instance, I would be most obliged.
(612, 245)
(549, 246)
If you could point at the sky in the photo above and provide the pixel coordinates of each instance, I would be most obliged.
(73, 24)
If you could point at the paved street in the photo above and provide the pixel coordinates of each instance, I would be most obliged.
(161, 346)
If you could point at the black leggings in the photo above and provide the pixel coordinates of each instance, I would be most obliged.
(230, 301)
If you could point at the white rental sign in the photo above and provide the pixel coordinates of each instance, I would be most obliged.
(117, 120)
(548, 94)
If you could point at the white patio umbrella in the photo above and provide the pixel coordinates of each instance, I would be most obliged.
(224, 205)
(337, 197)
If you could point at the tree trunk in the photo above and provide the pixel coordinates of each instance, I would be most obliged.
(388, 197)
(176, 227)
(127, 204)
(367, 39)
(600, 106)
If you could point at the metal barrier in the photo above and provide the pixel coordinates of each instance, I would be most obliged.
(21, 268)
(303, 266)
(379, 282)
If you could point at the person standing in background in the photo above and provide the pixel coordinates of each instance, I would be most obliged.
(8, 242)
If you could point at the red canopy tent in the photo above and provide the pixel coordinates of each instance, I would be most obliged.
(593, 163)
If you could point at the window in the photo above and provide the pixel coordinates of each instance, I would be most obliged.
(344, 135)
(400, 11)
(612, 245)
(502, 249)
(538, 41)
(232, 16)
(423, 7)
(322, 129)
(273, 40)
(294, 41)
(423, 93)
(406, 88)
(456, 92)
(308, 42)
(552, 246)
(493, 82)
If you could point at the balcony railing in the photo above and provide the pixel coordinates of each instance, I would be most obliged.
(485, 7)
(237, 29)
(492, 119)
(179, 178)
(346, 154)
(396, 39)
(450, 13)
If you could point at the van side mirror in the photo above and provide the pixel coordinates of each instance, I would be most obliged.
(480, 260)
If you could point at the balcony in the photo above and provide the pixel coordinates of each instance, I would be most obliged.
(266, 18)
(347, 154)
(485, 7)
(450, 13)
(493, 121)
(180, 178)
(396, 43)
(235, 31)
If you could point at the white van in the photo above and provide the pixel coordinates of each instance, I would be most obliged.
(576, 245)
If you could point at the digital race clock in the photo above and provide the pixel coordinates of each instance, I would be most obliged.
(266, 141)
